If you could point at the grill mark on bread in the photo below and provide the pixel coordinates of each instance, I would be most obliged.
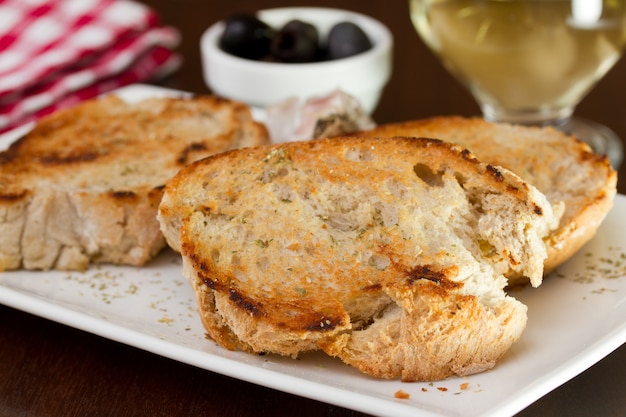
(439, 277)
(254, 308)
(495, 173)
(204, 270)
(13, 197)
(325, 324)
(374, 287)
(468, 155)
(183, 158)
(7, 156)
(55, 159)
(123, 195)
(512, 189)
(211, 283)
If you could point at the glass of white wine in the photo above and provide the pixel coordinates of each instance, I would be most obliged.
(529, 61)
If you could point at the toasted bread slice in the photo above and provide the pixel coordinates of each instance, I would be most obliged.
(560, 166)
(84, 185)
(387, 253)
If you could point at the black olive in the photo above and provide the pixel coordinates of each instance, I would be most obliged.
(246, 36)
(347, 39)
(296, 41)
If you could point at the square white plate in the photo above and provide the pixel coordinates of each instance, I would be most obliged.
(576, 318)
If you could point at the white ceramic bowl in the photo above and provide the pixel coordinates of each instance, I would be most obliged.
(260, 84)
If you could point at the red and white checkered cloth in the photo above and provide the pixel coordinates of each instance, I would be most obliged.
(55, 53)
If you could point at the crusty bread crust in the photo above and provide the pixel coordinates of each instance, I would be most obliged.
(84, 185)
(562, 167)
(386, 253)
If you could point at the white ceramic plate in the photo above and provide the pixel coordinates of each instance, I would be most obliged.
(577, 317)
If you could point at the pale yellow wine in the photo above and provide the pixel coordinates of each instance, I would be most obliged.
(524, 54)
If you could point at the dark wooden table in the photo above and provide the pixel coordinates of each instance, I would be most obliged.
(47, 369)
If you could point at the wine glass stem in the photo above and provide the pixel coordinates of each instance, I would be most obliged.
(559, 118)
